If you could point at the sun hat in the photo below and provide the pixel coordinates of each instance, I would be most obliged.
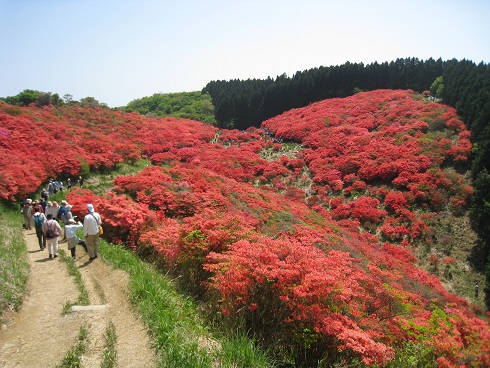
(72, 221)
(90, 208)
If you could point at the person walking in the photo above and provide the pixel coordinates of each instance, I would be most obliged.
(91, 224)
(27, 213)
(39, 219)
(43, 203)
(62, 215)
(55, 210)
(51, 230)
(69, 214)
(68, 184)
(72, 238)
(50, 209)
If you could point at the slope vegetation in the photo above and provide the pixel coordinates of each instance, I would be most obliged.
(303, 233)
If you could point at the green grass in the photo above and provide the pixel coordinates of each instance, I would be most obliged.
(100, 182)
(110, 353)
(14, 268)
(72, 359)
(177, 330)
(73, 271)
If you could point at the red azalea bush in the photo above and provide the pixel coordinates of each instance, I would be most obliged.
(336, 279)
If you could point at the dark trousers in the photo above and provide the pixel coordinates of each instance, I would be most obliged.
(73, 250)
(41, 239)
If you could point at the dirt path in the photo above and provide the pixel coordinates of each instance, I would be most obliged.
(40, 335)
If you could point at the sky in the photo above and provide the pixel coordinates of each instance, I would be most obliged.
(117, 51)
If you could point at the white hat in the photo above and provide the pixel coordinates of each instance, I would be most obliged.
(90, 208)
(29, 201)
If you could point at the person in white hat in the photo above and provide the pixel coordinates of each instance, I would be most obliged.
(72, 238)
(91, 224)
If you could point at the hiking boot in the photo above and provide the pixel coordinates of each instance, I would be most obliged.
(50, 256)
(55, 256)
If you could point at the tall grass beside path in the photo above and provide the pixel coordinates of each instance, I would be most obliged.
(177, 330)
(14, 267)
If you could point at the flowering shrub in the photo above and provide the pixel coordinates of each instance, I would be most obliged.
(334, 278)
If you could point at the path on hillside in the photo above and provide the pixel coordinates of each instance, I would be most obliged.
(40, 335)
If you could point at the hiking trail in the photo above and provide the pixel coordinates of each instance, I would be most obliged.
(40, 335)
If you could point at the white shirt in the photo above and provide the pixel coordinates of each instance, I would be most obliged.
(71, 229)
(91, 224)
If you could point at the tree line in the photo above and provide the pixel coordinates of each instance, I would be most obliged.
(243, 103)
(40, 99)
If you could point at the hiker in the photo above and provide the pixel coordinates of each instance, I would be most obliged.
(72, 239)
(51, 230)
(37, 203)
(27, 213)
(69, 216)
(39, 220)
(68, 184)
(50, 209)
(62, 215)
(50, 188)
(42, 204)
(55, 209)
(476, 289)
(91, 224)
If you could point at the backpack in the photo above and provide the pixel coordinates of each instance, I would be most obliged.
(38, 222)
(27, 210)
(62, 213)
(50, 233)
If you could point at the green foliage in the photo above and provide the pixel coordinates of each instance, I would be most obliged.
(14, 268)
(24, 98)
(110, 352)
(437, 88)
(73, 358)
(30, 96)
(188, 105)
(91, 102)
(414, 355)
(73, 271)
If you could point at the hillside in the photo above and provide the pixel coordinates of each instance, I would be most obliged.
(315, 233)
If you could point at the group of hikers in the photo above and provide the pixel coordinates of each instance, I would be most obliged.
(52, 221)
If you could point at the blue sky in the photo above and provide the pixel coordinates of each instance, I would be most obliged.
(120, 50)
